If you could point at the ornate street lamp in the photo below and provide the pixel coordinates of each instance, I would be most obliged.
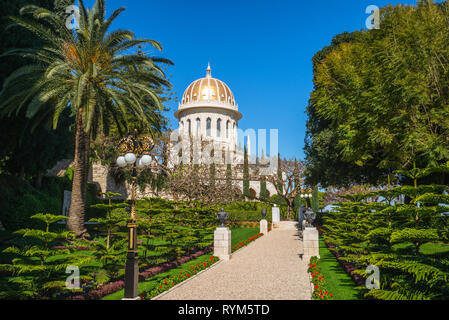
(135, 152)
(306, 195)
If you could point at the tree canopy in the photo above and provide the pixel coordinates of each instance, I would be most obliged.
(380, 98)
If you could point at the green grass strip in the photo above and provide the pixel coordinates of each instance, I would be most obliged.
(337, 280)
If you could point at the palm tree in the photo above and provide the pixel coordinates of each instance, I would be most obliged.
(92, 72)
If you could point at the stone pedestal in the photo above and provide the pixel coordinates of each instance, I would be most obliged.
(222, 243)
(311, 242)
(264, 226)
(275, 217)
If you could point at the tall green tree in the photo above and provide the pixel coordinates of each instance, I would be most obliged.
(246, 192)
(91, 71)
(379, 101)
(263, 188)
(279, 174)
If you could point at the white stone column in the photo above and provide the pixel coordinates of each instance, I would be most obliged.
(264, 226)
(222, 243)
(275, 217)
(311, 243)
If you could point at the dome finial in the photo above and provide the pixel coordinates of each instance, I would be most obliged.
(208, 70)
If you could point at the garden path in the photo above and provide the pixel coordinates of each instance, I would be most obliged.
(270, 268)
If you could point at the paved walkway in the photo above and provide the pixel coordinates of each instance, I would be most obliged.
(268, 269)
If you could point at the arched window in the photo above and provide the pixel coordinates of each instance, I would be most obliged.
(189, 127)
(208, 127)
(227, 129)
(219, 128)
(198, 126)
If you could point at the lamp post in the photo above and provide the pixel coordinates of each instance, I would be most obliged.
(134, 152)
(306, 195)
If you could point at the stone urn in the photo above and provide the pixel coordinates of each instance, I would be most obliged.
(264, 213)
(222, 216)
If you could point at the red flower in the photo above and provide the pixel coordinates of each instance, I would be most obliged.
(316, 287)
(331, 294)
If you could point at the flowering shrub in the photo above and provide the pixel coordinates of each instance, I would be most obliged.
(246, 242)
(320, 291)
(184, 274)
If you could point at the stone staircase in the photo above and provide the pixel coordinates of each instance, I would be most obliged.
(286, 225)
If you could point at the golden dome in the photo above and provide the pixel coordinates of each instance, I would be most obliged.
(208, 89)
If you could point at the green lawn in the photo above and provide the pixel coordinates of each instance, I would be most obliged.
(237, 235)
(338, 281)
(241, 234)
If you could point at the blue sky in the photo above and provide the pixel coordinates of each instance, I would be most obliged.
(262, 49)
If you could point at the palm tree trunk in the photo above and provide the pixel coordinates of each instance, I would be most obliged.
(79, 183)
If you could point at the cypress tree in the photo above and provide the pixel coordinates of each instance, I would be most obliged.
(263, 188)
(229, 175)
(281, 187)
(212, 174)
(246, 192)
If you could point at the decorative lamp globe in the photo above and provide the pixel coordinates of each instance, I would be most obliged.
(130, 158)
(146, 160)
(139, 163)
(121, 162)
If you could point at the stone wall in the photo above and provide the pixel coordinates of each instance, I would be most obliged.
(99, 175)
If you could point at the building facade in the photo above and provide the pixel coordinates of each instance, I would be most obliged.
(209, 115)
